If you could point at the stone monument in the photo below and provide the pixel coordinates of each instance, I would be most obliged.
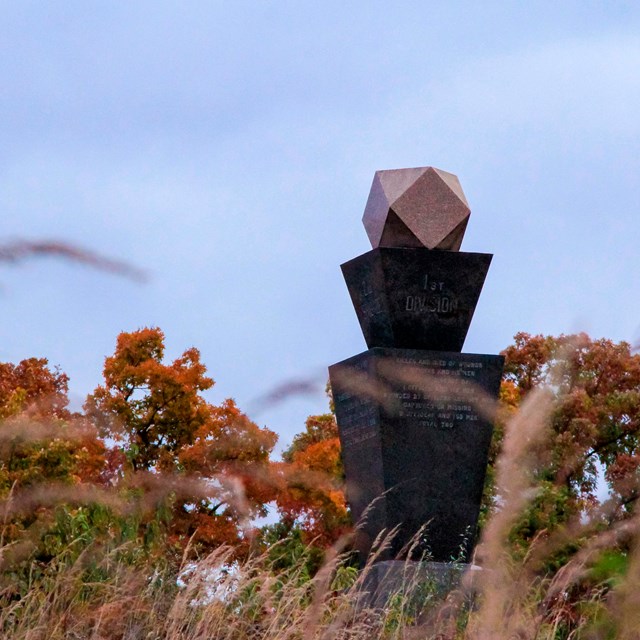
(414, 413)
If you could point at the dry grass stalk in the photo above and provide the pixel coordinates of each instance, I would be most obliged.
(499, 613)
(20, 250)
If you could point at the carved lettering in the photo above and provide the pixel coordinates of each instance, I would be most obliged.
(431, 285)
(431, 304)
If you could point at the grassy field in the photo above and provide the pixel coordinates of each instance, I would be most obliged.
(104, 589)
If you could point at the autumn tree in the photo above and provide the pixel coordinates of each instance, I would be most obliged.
(595, 425)
(212, 460)
(51, 460)
(231, 453)
(311, 496)
(151, 408)
(32, 388)
(40, 439)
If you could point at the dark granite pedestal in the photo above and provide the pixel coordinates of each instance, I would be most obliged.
(415, 428)
(419, 582)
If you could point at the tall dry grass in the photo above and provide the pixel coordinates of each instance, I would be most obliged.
(107, 590)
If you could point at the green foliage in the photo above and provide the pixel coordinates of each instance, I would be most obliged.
(286, 549)
(595, 423)
(610, 568)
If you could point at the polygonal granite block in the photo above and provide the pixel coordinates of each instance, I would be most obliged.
(421, 207)
(415, 297)
(415, 428)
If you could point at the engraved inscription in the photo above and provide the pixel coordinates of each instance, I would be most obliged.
(432, 304)
(358, 418)
(445, 393)
(436, 300)
(370, 303)
(431, 284)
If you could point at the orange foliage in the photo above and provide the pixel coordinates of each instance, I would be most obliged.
(597, 417)
(45, 451)
(153, 408)
(40, 439)
(157, 415)
(234, 452)
(311, 492)
(31, 388)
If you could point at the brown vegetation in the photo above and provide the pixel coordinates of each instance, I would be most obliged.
(134, 518)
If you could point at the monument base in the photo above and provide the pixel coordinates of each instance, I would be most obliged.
(419, 583)
(415, 429)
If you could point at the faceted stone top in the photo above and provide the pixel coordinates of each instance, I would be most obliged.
(421, 207)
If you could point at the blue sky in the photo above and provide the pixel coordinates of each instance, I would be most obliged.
(227, 148)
